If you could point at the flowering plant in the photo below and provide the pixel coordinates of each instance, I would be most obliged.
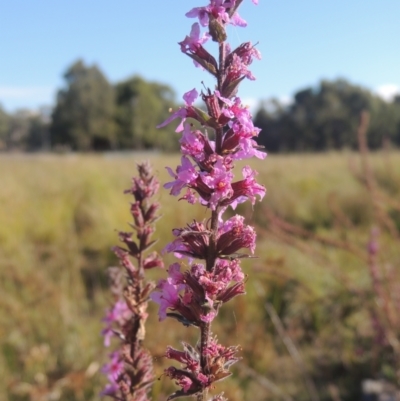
(130, 369)
(195, 290)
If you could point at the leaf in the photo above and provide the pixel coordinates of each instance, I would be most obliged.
(181, 393)
(146, 291)
(133, 248)
(205, 64)
(230, 89)
(234, 256)
(147, 246)
(205, 119)
(182, 319)
(191, 351)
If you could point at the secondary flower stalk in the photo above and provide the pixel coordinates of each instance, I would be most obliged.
(194, 290)
(130, 369)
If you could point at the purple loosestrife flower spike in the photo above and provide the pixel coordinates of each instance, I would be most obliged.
(130, 369)
(215, 246)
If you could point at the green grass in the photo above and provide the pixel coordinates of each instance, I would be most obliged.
(58, 220)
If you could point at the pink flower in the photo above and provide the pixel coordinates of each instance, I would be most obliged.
(235, 235)
(189, 358)
(185, 175)
(128, 313)
(201, 13)
(247, 188)
(193, 297)
(192, 143)
(209, 317)
(192, 241)
(107, 333)
(114, 367)
(194, 40)
(120, 313)
(113, 370)
(183, 112)
(247, 52)
(190, 97)
(219, 181)
(110, 389)
(216, 8)
(153, 260)
(123, 256)
(167, 298)
(216, 284)
(182, 379)
(237, 20)
(174, 274)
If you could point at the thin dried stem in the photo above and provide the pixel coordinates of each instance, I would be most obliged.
(294, 353)
(264, 382)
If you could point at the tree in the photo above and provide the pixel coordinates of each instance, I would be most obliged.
(18, 129)
(38, 135)
(4, 127)
(140, 107)
(270, 118)
(326, 117)
(83, 118)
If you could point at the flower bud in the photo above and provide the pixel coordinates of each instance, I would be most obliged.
(216, 30)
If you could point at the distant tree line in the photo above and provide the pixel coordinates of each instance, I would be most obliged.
(326, 117)
(91, 114)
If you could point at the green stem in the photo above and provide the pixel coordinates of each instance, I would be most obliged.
(205, 328)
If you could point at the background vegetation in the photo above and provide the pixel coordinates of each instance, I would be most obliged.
(326, 117)
(314, 286)
(91, 114)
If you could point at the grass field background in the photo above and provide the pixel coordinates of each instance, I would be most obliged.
(58, 219)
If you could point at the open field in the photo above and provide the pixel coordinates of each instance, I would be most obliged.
(58, 218)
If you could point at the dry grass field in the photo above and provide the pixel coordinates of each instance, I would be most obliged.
(58, 219)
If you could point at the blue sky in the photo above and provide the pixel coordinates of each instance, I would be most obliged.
(301, 41)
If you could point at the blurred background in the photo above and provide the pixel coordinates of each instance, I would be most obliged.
(82, 87)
